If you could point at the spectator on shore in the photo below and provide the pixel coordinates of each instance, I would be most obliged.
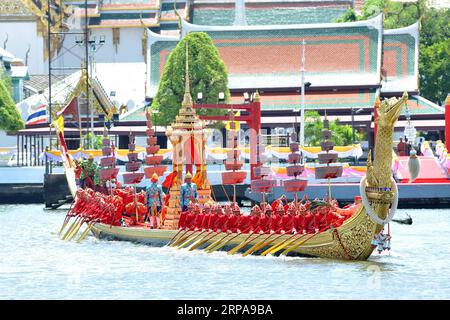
(408, 147)
(419, 149)
(401, 148)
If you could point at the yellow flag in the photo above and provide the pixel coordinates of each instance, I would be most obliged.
(59, 124)
(237, 123)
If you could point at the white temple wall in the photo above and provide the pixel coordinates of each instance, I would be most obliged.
(21, 36)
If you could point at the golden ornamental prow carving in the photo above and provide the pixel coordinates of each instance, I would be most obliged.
(379, 173)
(390, 110)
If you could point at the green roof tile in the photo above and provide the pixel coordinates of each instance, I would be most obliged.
(273, 16)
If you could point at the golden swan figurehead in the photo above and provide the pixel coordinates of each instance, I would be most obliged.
(390, 110)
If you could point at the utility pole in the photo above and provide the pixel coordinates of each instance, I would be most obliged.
(64, 32)
(302, 110)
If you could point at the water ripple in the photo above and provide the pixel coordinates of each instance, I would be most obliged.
(36, 264)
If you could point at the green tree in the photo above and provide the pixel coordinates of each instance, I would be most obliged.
(10, 119)
(434, 70)
(89, 138)
(434, 34)
(342, 135)
(207, 74)
(6, 80)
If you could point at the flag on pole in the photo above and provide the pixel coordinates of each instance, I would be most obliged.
(59, 124)
(38, 115)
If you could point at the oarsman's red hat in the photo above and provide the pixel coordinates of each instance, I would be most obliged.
(256, 209)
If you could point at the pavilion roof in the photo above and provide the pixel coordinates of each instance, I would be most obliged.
(419, 105)
(129, 91)
(275, 101)
(102, 83)
(271, 101)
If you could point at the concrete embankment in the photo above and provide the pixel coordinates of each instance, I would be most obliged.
(31, 185)
(13, 193)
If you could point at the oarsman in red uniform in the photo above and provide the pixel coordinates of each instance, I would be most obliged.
(300, 219)
(275, 224)
(221, 220)
(244, 224)
(183, 216)
(349, 209)
(214, 216)
(206, 224)
(227, 209)
(317, 217)
(309, 219)
(199, 216)
(324, 213)
(263, 206)
(334, 219)
(281, 200)
(228, 214)
(264, 222)
(255, 218)
(233, 221)
(235, 208)
(190, 218)
(307, 204)
(287, 221)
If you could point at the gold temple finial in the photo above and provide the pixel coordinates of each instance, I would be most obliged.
(187, 100)
(187, 89)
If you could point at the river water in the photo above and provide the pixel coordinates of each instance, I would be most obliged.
(36, 264)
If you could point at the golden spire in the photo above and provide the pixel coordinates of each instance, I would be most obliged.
(187, 100)
(187, 118)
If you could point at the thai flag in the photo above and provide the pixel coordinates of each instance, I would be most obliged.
(38, 115)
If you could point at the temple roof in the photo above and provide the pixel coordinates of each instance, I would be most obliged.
(130, 91)
(14, 9)
(273, 12)
(129, 4)
(130, 13)
(38, 82)
(400, 66)
(123, 20)
(337, 54)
